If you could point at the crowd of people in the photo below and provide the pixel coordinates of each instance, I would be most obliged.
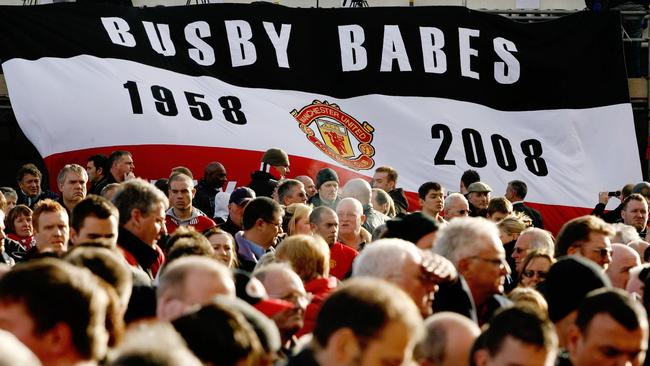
(309, 270)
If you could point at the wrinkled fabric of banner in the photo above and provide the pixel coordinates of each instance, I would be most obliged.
(431, 91)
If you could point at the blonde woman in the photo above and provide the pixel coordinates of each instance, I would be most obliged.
(224, 246)
(299, 222)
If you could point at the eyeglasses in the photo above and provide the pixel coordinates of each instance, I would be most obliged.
(603, 252)
(278, 224)
(530, 274)
(463, 212)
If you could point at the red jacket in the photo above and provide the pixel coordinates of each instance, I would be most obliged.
(320, 289)
(341, 258)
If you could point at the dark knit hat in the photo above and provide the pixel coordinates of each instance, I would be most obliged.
(325, 175)
(275, 157)
(411, 227)
(569, 280)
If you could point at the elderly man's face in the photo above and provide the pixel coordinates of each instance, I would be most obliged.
(350, 217)
(414, 280)
(456, 208)
(287, 286)
(485, 271)
(480, 200)
(623, 260)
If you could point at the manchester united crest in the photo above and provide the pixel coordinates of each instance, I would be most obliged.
(337, 134)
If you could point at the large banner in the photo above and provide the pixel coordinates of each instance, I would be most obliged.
(431, 91)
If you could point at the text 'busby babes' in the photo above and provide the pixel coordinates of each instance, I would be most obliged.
(354, 55)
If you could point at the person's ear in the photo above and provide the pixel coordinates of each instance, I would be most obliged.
(344, 346)
(481, 357)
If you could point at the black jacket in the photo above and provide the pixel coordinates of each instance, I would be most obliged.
(263, 183)
(401, 204)
(204, 198)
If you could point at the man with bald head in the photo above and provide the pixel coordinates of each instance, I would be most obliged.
(214, 177)
(448, 340)
(624, 259)
(310, 187)
(324, 222)
(351, 217)
(361, 190)
(191, 281)
(640, 246)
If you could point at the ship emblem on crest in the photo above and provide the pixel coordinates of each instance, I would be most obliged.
(337, 134)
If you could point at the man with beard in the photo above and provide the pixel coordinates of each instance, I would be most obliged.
(635, 213)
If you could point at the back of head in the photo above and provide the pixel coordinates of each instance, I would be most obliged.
(519, 188)
(309, 256)
(470, 176)
(411, 227)
(260, 208)
(358, 188)
(568, 282)
(137, 194)
(624, 233)
(173, 284)
(617, 304)
(186, 246)
(540, 239)
(499, 204)
(153, 344)
(385, 258)
(92, 206)
(107, 265)
(442, 330)
(522, 324)
(266, 330)
(511, 225)
(59, 292)
(460, 238)
(378, 301)
(577, 230)
(218, 335)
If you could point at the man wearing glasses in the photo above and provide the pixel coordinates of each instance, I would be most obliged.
(588, 237)
(473, 246)
(261, 224)
(456, 205)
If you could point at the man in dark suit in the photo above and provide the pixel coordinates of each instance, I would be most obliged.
(515, 193)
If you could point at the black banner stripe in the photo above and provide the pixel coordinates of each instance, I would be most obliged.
(573, 62)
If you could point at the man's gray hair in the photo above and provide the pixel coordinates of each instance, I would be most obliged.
(75, 168)
(624, 233)
(384, 258)
(140, 194)
(542, 240)
(462, 238)
(453, 197)
(285, 187)
(358, 188)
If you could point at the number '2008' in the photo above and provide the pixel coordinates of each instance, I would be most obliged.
(475, 150)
